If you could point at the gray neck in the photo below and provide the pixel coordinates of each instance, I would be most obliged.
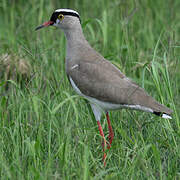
(75, 41)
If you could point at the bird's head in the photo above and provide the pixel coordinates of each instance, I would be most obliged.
(62, 18)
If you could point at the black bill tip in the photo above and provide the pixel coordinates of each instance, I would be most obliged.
(44, 25)
(39, 27)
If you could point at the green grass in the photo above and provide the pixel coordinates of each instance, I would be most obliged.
(49, 132)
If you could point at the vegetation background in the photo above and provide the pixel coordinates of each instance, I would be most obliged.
(49, 132)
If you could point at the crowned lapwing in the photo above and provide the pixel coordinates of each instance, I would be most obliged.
(96, 79)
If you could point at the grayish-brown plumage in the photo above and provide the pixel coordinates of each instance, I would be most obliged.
(95, 78)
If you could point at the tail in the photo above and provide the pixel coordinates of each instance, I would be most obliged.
(149, 104)
(163, 115)
(158, 108)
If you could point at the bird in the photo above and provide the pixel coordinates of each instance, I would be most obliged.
(97, 79)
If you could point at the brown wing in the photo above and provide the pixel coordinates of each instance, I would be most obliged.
(103, 81)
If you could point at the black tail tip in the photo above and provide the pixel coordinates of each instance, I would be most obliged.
(163, 115)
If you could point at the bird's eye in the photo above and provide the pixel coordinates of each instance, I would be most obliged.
(61, 17)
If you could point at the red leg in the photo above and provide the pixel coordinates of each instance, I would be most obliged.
(104, 142)
(111, 133)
